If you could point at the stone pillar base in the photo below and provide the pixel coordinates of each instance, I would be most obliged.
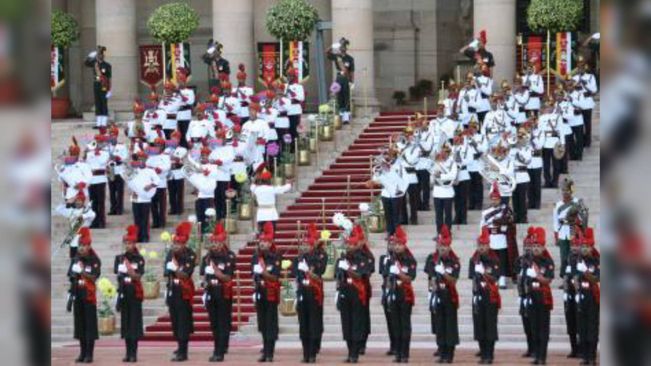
(360, 106)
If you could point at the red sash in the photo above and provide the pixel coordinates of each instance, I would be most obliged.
(187, 288)
(454, 294)
(89, 286)
(548, 300)
(227, 290)
(137, 286)
(317, 288)
(596, 292)
(408, 291)
(360, 285)
(273, 290)
(494, 294)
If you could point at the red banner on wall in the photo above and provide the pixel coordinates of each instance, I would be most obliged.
(564, 53)
(268, 61)
(151, 65)
(535, 51)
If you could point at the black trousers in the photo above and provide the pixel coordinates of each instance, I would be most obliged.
(503, 255)
(423, 188)
(520, 202)
(476, 195)
(343, 98)
(539, 318)
(535, 187)
(141, 219)
(569, 147)
(116, 195)
(587, 123)
(101, 103)
(310, 320)
(176, 189)
(97, 193)
(220, 312)
(268, 325)
(183, 129)
(131, 345)
(220, 199)
(200, 206)
(461, 192)
(569, 306)
(577, 132)
(443, 212)
(412, 194)
(526, 326)
(401, 324)
(481, 116)
(392, 208)
(168, 133)
(551, 168)
(353, 321)
(159, 208)
(387, 316)
(294, 122)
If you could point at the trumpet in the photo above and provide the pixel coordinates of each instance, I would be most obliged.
(491, 172)
(190, 166)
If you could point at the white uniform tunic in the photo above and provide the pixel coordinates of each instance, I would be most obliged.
(74, 174)
(205, 184)
(97, 161)
(393, 185)
(536, 89)
(296, 93)
(536, 142)
(443, 187)
(282, 105)
(588, 84)
(243, 94)
(485, 88)
(506, 168)
(465, 154)
(142, 178)
(225, 154)
(466, 105)
(521, 156)
(187, 101)
(426, 147)
(551, 126)
(171, 106)
(497, 232)
(161, 164)
(478, 147)
(265, 195)
(559, 216)
(71, 213)
(120, 154)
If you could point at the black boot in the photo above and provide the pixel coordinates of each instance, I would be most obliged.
(312, 343)
(405, 350)
(361, 348)
(349, 346)
(270, 350)
(217, 355)
(306, 350)
(134, 351)
(574, 353)
(392, 347)
(490, 351)
(450, 357)
(82, 351)
(90, 348)
(182, 352)
(443, 354)
(354, 351)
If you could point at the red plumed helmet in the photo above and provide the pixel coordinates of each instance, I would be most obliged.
(182, 233)
(482, 37)
(444, 237)
(265, 175)
(400, 236)
(541, 236)
(484, 238)
(219, 234)
(84, 237)
(588, 238)
(132, 234)
(356, 235)
(531, 233)
(267, 233)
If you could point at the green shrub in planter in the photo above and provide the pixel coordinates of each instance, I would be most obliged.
(291, 20)
(554, 15)
(64, 29)
(173, 22)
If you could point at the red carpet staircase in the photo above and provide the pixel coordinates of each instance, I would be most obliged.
(328, 192)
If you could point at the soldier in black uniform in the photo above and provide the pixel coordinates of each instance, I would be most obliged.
(179, 266)
(308, 267)
(383, 270)
(587, 274)
(218, 67)
(539, 275)
(101, 84)
(369, 292)
(402, 272)
(520, 265)
(265, 268)
(442, 268)
(483, 270)
(218, 267)
(345, 65)
(84, 270)
(352, 298)
(569, 295)
(129, 267)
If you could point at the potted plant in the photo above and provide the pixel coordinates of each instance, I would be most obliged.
(287, 157)
(554, 16)
(399, 96)
(303, 149)
(375, 218)
(105, 312)
(335, 88)
(314, 132)
(288, 296)
(291, 20)
(324, 121)
(64, 31)
(244, 205)
(150, 280)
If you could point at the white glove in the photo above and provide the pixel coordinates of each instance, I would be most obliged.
(532, 273)
(352, 86)
(439, 269)
(303, 266)
(479, 268)
(171, 266)
(210, 270)
(394, 269)
(568, 269)
(109, 94)
(257, 269)
(344, 265)
(76, 268)
(122, 268)
(581, 267)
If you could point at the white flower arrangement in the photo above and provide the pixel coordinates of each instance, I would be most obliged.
(192, 219)
(363, 207)
(210, 212)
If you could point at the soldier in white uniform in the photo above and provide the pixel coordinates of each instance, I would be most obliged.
(75, 175)
(118, 153)
(462, 154)
(265, 195)
(176, 181)
(388, 176)
(466, 107)
(243, 93)
(535, 166)
(171, 104)
(205, 185)
(143, 185)
(477, 146)
(521, 157)
(409, 159)
(578, 101)
(564, 219)
(506, 167)
(521, 97)
(497, 219)
(484, 85)
(257, 127)
(222, 157)
(76, 209)
(533, 82)
(184, 114)
(444, 173)
(588, 83)
(564, 109)
(442, 125)
(496, 122)
(451, 100)
(550, 125)
(426, 145)
(296, 94)
(161, 164)
(281, 103)
(97, 159)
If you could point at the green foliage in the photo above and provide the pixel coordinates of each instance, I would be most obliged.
(64, 29)
(173, 22)
(422, 89)
(554, 15)
(399, 96)
(291, 20)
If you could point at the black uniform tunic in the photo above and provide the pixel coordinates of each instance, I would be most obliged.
(403, 303)
(179, 296)
(352, 298)
(343, 79)
(444, 300)
(85, 301)
(588, 304)
(129, 305)
(539, 305)
(383, 270)
(223, 67)
(485, 305)
(520, 266)
(218, 295)
(101, 85)
(267, 295)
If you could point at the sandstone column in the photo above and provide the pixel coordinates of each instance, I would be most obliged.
(116, 29)
(497, 17)
(353, 19)
(232, 25)
(86, 44)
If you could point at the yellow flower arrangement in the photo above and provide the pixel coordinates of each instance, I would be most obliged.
(325, 234)
(285, 264)
(241, 177)
(165, 236)
(153, 255)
